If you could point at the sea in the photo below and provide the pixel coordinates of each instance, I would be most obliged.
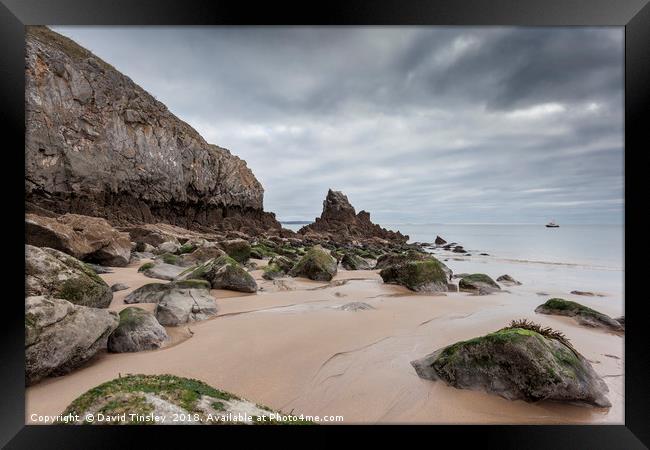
(571, 257)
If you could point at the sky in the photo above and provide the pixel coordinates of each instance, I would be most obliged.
(413, 124)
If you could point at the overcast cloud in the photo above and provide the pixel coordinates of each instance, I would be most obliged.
(414, 124)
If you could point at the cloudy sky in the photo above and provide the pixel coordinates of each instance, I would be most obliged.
(414, 124)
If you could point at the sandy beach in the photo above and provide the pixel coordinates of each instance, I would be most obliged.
(291, 348)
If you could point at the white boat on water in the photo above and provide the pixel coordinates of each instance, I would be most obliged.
(552, 224)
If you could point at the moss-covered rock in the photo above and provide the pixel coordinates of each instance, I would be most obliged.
(146, 266)
(138, 330)
(508, 280)
(424, 275)
(260, 251)
(478, 283)
(153, 292)
(316, 264)
(139, 396)
(350, 261)
(272, 271)
(283, 262)
(237, 249)
(580, 313)
(53, 273)
(188, 247)
(223, 273)
(169, 258)
(517, 364)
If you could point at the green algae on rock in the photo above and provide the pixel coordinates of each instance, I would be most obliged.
(171, 400)
(317, 264)
(478, 282)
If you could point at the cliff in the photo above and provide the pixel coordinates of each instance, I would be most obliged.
(97, 144)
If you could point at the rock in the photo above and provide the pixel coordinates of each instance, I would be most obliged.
(284, 263)
(354, 262)
(99, 269)
(316, 264)
(517, 364)
(580, 313)
(98, 144)
(451, 287)
(273, 271)
(237, 249)
(223, 273)
(53, 273)
(356, 306)
(392, 259)
(586, 294)
(138, 330)
(144, 247)
(119, 287)
(193, 402)
(163, 271)
(439, 241)
(232, 276)
(425, 275)
(340, 222)
(478, 283)
(60, 336)
(508, 280)
(168, 247)
(153, 292)
(459, 249)
(200, 255)
(179, 306)
(484, 254)
(92, 239)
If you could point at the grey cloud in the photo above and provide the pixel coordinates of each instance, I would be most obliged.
(417, 124)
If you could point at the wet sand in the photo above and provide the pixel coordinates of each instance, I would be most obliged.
(289, 347)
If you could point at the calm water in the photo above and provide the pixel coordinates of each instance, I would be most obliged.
(583, 257)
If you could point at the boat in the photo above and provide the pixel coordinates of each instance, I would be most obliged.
(552, 224)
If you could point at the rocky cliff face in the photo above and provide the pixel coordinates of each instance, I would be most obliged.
(340, 222)
(98, 144)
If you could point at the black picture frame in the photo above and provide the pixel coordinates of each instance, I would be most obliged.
(634, 15)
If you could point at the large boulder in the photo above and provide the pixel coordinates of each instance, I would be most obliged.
(157, 399)
(60, 336)
(237, 249)
(138, 330)
(580, 313)
(317, 264)
(426, 275)
(517, 364)
(440, 241)
(92, 239)
(478, 283)
(56, 274)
